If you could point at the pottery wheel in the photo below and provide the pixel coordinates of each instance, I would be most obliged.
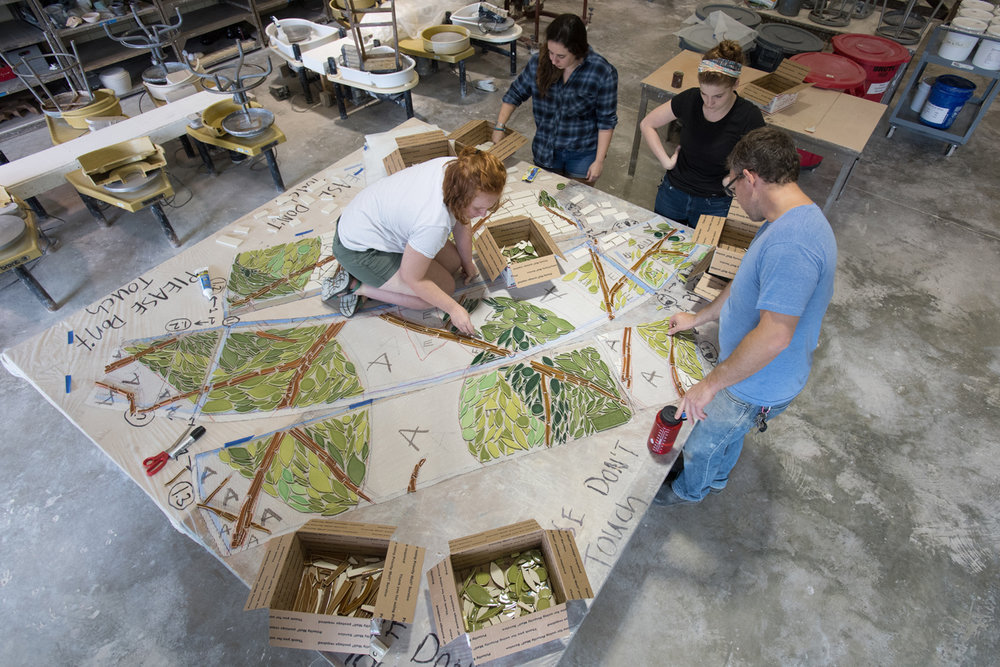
(248, 122)
(12, 230)
(132, 182)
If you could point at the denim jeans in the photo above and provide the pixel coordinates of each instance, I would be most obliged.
(679, 206)
(714, 445)
(573, 164)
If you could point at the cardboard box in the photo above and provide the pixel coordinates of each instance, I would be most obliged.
(779, 89)
(477, 132)
(280, 574)
(499, 234)
(416, 148)
(703, 283)
(566, 575)
(730, 238)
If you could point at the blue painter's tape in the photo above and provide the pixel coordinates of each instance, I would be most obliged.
(239, 442)
(302, 233)
(69, 383)
(69, 337)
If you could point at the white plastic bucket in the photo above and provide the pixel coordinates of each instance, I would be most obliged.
(118, 80)
(988, 54)
(921, 93)
(956, 45)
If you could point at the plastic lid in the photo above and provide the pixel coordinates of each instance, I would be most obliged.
(828, 70)
(972, 25)
(788, 38)
(702, 38)
(747, 17)
(952, 81)
(871, 49)
(667, 415)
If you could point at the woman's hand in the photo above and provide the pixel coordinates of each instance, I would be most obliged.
(461, 320)
(595, 170)
(671, 160)
(470, 271)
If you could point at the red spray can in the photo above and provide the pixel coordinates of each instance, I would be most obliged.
(665, 430)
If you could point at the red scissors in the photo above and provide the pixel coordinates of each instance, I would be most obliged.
(155, 464)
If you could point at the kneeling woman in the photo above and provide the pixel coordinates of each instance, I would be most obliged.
(393, 243)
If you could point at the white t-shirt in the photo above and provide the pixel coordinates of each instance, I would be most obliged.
(404, 208)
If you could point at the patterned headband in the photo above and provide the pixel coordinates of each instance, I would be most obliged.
(721, 65)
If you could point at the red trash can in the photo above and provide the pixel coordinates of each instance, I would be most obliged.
(879, 56)
(828, 70)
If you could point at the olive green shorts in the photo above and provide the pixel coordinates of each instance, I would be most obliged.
(371, 267)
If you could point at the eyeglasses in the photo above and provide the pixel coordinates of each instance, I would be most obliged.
(729, 186)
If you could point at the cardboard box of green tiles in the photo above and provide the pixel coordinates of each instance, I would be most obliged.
(519, 249)
(505, 590)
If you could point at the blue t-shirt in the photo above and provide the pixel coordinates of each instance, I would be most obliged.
(788, 269)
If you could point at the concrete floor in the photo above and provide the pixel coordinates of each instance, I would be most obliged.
(860, 529)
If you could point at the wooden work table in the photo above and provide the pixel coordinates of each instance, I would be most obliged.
(827, 122)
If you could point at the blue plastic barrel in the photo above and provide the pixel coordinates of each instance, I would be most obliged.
(948, 95)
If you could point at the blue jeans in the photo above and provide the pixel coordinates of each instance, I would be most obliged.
(714, 445)
(679, 206)
(573, 164)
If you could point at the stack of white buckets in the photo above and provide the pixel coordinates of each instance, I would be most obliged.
(978, 18)
(974, 18)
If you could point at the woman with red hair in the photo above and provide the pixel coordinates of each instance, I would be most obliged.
(392, 240)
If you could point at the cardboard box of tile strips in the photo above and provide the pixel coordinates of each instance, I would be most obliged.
(326, 582)
(506, 590)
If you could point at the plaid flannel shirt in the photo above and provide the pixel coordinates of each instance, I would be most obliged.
(570, 115)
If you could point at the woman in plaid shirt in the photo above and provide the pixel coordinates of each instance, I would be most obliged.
(574, 98)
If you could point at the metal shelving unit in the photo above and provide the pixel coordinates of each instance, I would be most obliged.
(16, 34)
(971, 113)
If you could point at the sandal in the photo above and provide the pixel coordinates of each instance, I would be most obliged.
(339, 285)
(350, 303)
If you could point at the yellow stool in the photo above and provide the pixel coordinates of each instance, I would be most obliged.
(19, 244)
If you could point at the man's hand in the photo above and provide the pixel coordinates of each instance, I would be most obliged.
(681, 322)
(696, 399)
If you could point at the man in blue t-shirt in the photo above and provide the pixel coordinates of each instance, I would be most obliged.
(769, 316)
